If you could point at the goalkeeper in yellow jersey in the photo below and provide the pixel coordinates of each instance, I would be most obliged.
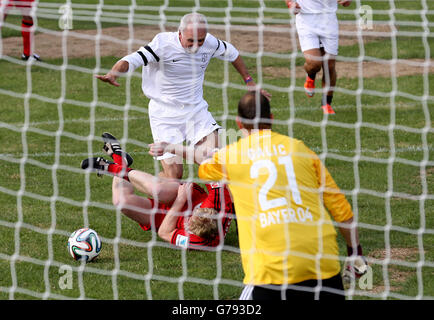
(284, 197)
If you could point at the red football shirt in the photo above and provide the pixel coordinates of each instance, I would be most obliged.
(218, 197)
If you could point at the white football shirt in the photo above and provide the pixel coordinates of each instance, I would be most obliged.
(318, 6)
(171, 76)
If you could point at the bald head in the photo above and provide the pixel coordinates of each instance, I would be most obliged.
(254, 111)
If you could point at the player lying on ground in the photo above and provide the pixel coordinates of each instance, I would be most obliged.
(182, 214)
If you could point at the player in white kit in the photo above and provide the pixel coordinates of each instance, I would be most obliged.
(174, 65)
(318, 33)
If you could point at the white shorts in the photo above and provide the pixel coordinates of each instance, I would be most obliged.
(176, 126)
(318, 30)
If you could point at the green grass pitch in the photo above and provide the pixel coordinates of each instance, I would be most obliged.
(44, 195)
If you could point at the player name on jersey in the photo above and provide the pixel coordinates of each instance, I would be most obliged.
(285, 215)
(272, 150)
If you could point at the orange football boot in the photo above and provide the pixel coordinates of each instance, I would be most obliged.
(327, 109)
(309, 87)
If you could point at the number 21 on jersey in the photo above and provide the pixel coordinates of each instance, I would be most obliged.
(256, 168)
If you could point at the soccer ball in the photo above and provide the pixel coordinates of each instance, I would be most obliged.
(84, 244)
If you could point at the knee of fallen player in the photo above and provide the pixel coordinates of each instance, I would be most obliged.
(123, 204)
(203, 223)
(120, 200)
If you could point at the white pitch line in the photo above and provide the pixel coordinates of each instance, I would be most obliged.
(398, 105)
(78, 120)
(217, 114)
(315, 149)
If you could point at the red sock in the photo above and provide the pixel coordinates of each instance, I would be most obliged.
(119, 170)
(25, 32)
(119, 159)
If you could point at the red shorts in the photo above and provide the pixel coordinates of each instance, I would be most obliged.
(157, 218)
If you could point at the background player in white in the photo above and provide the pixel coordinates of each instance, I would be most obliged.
(27, 32)
(318, 33)
(173, 76)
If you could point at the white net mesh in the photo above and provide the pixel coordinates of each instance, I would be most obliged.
(378, 146)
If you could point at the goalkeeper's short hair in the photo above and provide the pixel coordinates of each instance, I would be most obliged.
(254, 111)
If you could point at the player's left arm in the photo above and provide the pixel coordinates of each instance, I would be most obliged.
(355, 264)
(349, 231)
(226, 51)
(168, 226)
(333, 198)
(339, 207)
(240, 66)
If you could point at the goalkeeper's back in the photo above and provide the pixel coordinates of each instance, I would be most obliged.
(281, 191)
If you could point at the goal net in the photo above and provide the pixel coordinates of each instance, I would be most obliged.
(378, 146)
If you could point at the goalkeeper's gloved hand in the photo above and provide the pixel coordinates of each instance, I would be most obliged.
(355, 265)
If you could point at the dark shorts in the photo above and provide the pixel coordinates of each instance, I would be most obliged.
(331, 289)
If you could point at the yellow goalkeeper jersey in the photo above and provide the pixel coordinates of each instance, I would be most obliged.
(283, 197)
